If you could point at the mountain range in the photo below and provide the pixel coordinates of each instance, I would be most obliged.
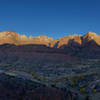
(12, 37)
(73, 45)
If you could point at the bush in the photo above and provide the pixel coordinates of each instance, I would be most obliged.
(82, 90)
(94, 91)
(73, 83)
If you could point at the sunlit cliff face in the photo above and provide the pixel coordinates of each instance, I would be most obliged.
(91, 36)
(12, 37)
(17, 39)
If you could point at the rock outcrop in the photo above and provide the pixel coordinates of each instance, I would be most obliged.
(91, 36)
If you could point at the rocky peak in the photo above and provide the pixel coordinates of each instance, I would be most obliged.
(90, 35)
(43, 37)
(9, 34)
(30, 37)
(23, 37)
(69, 40)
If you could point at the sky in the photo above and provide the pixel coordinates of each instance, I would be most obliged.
(54, 18)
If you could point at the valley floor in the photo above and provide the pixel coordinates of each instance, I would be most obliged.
(81, 77)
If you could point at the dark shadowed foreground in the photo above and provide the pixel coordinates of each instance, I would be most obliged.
(15, 88)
